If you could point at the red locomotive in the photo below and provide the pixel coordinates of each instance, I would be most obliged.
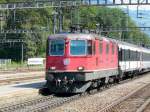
(77, 62)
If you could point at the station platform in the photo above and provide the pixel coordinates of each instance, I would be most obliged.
(22, 88)
(21, 74)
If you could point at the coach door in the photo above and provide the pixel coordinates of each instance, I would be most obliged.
(121, 59)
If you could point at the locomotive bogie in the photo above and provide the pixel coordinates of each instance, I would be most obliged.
(78, 82)
(63, 87)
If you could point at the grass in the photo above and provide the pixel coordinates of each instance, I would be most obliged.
(20, 66)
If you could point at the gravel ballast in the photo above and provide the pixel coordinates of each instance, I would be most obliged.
(96, 102)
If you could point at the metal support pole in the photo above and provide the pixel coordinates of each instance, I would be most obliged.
(60, 21)
(54, 22)
(1, 21)
(22, 52)
(127, 17)
(48, 24)
(14, 19)
(137, 12)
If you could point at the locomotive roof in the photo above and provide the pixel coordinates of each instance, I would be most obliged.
(73, 36)
(94, 36)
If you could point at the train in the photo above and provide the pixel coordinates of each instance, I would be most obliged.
(77, 62)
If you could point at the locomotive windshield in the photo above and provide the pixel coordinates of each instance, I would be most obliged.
(56, 47)
(78, 47)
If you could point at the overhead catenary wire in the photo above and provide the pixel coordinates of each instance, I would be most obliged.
(67, 3)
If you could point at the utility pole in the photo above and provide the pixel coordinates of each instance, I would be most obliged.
(54, 13)
(22, 52)
(1, 17)
(60, 20)
(139, 15)
(14, 23)
(48, 24)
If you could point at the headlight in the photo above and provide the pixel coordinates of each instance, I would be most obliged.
(52, 68)
(81, 68)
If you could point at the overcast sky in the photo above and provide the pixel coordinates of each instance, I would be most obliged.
(131, 7)
(134, 7)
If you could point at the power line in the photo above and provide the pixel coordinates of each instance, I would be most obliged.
(68, 3)
(21, 31)
(104, 29)
(109, 29)
(127, 28)
(2, 41)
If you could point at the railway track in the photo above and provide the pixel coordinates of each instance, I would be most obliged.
(45, 103)
(147, 108)
(144, 106)
(38, 105)
(20, 77)
(20, 71)
(136, 101)
(20, 105)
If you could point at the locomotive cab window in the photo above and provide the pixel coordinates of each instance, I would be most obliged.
(56, 47)
(113, 48)
(107, 48)
(89, 47)
(93, 50)
(100, 47)
(78, 47)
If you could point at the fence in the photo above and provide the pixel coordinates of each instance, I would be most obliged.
(9, 65)
(4, 63)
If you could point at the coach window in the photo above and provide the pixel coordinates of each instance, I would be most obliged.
(120, 54)
(107, 48)
(136, 55)
(125, 54)
(129, 54)
(100, 47)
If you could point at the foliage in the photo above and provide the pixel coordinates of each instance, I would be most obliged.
(40, 21)
(113, 18)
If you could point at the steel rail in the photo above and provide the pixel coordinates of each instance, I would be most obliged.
(13, 107)
(145, 104)
(112, 106)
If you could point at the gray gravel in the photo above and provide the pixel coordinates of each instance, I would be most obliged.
(94, 103)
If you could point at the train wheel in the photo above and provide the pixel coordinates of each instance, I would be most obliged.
(44, 91)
